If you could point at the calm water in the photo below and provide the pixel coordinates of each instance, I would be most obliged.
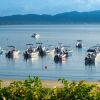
(73, 68)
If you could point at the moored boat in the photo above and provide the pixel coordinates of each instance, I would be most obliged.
(93, 54)
(64, 49)
(59, 57)
(68, 50)
(12, 52)
(79, 44)
(41, 49)
(36, 35)
(30, 52)
(50, 50)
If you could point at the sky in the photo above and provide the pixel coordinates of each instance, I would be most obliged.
(13, 7)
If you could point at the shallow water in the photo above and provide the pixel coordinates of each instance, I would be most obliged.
(73, 68)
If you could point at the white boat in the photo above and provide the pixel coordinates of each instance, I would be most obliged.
(59, 48)
(79, 44)
(93, 55)
(30, 52)
(64, 49)
(50, 50)
(68, 50)
(36, 35)
(12, 52)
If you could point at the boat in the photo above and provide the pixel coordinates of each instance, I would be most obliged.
(64, 49)
(12, 52)
(50, 50)
(1, 51)
(36, 35)
(67, 50)
(59, 57)
(93, 54)
(59, 48)
(41, 49)
(79, 44)
(30, 52)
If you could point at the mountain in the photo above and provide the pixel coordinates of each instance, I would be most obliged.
(73, 17)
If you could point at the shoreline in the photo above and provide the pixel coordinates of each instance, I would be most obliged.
(46, 83)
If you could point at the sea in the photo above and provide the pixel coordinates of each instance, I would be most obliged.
(73, 68)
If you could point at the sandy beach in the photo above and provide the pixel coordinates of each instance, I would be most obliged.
(45, 83)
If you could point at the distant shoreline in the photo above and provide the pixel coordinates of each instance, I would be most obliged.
(74, 17)
(46, 24)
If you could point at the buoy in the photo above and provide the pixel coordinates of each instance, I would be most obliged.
(46, 66)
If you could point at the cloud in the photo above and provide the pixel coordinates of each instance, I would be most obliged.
(8, 7)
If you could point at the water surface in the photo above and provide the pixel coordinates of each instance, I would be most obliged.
(73, 68)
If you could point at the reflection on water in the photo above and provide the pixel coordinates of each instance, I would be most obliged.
(90, 68)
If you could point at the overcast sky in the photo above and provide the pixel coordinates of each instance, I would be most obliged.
(10, 7)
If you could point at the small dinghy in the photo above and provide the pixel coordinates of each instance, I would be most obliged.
(79, 44)
(36, 35)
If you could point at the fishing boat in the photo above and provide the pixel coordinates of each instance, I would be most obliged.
(64, 49)
(79, 44)
(59, 48)
(59, 57)
(30, 52)
(41, 49)
(68, 50)
(93, 54)
(12, 52)
(36, 35)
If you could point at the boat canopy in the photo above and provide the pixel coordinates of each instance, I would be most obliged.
(39, 43)
(79, 40)
(29, 44)
(10, 46)
(91, 50)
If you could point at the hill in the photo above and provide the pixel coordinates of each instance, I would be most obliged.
(73, 17)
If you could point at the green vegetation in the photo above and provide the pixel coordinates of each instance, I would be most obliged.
(31, 89)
